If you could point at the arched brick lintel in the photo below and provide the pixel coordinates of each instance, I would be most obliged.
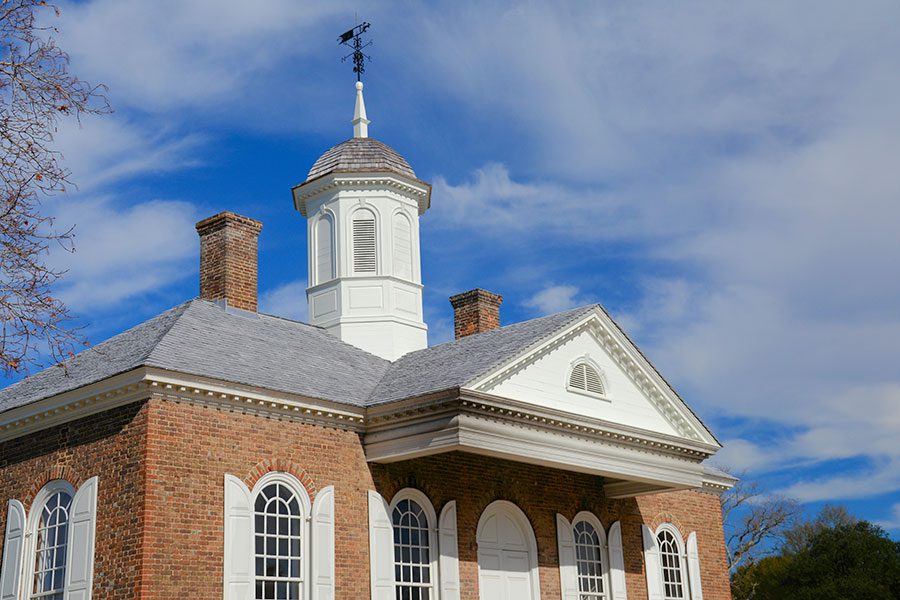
(281, 465)
(54, 473)
(667, 517)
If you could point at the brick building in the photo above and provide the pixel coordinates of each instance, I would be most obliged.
(217, 452)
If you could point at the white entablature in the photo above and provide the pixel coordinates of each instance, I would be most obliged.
(362, 202)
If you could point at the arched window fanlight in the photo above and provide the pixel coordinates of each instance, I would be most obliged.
(584, 377)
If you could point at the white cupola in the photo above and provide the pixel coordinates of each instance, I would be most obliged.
(362, 202)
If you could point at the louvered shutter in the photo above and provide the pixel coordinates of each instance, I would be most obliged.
(568, 568)
(449, 553)
(577, 378)
(652, 565)
(324, 249)
(238, 540)
(82, 527)
(323, 545)
(693, 560)
(11, 567)
(364, 248)
(381, 548)
(402, 250)
(592, 381)
(616, 563)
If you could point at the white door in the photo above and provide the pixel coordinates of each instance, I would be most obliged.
(507, 554)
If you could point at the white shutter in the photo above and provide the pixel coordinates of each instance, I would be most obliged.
(323, 545)
(12, 551)
(616, 562)
(381, 548)
(652, 565)
(82, 527)
(568, 569)
(693, 560)
(449, 553)
(402, 249)
(324, 249)
(238, 540)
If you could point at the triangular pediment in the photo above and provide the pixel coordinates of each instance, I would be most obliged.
(630, 391)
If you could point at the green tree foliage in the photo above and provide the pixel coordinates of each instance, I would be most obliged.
(855, 561)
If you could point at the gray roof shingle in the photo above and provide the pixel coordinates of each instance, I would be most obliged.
(456, 363)
(360, 155)
(203, 338)
(206, 339)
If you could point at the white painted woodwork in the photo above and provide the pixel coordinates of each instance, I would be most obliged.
(507, 554)
(238, 566)
(545, 383)
(618, 590)
(11, 567)
(82, 530)
(381, 548)
(449, 549)
(693, 564)
(374, 298)
(652, 564)
(324, 243)
(360, 122)
(568, 568)
(322, 559)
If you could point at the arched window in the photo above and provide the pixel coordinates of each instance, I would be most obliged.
(280, 508)
(585, 378)
(277, 543)
(403, 247)
(590, 559)
(51, 542)
(415, 547)
(672, 559)
(324, 249)
(365, 249)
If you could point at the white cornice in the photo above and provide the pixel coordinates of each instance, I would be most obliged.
(418, 190)
(626, 356)
(145, 383)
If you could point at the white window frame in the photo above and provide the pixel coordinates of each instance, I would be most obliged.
(587, 360)
(424, 502)
(591, 519)
(302, 495)
(29, 550)
(682, 561)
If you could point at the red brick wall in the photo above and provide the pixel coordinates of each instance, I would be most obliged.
(172, 546)
(475, 481)
(191, 448)
(475, 311)
(109, 445)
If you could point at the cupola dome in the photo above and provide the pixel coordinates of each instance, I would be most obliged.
(360, 155)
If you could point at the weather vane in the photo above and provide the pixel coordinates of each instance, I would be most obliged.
(353, 39)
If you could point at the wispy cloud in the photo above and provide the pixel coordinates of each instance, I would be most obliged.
(287, 300)
(555, 298)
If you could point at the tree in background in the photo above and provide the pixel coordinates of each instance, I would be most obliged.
(846, 562)
(754, 521)
(36, 91)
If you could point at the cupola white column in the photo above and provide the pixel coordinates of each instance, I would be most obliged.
(362, 201)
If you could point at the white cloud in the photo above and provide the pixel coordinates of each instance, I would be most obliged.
(554, 299)
(123, 252)
(893, 522)
(287, 300)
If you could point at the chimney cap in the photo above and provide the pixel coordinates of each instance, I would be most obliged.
(476, 295)
(475, 311)
(220, 220)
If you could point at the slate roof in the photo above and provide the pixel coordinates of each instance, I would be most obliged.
(206, 339)
(360, 155)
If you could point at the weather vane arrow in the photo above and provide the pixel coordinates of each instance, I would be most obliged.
(353, 39)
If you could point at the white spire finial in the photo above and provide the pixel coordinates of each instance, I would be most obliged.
(360, 122)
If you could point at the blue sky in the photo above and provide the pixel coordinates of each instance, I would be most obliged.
(723, 177)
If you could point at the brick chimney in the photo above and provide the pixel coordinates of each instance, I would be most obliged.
(475, 311)
(228, 259)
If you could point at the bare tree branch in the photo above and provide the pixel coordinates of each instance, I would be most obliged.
(36, 91)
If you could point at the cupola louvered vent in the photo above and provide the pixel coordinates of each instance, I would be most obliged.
(364, 244)
(586, 378)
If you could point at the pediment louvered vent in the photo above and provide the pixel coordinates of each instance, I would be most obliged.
(586, 378)
(364, 245)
